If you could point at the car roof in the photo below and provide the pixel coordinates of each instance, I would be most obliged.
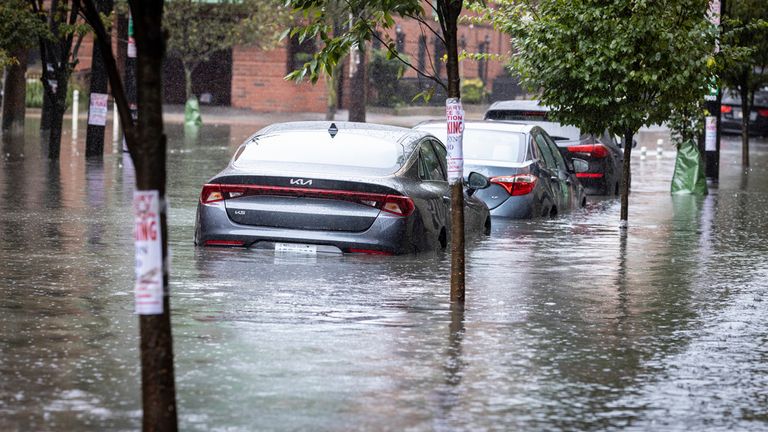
(401, 135)
(528, 105)
(506, 126)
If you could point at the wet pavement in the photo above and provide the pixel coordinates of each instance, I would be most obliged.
(569, 325)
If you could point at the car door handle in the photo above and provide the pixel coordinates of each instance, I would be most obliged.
(554, 178)
(447, 199)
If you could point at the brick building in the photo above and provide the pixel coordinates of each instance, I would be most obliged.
(251, 78)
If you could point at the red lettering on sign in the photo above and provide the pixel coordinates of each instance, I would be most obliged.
(146, 230)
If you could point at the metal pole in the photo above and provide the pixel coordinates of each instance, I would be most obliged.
(115, 127)
(712, 104)
(75, 113)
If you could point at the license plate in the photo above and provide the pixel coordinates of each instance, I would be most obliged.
(296, 248)
(737, 113)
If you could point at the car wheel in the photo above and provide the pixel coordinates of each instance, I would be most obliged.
(616, 189)
(487, 230)
(553, 213)
(584, 202)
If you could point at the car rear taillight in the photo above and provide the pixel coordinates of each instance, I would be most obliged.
(595, 150)
(224, 243)
(368, 251)
(725, 109)
(762, 112)
(399, 205)
(395, 204)
(211, 193)
(521, 184)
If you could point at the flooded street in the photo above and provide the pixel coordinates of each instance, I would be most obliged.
(569, 325)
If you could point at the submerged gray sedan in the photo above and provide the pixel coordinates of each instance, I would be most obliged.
(312, 187)
(529, 176)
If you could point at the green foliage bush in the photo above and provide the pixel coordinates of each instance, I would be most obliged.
(383, 80)
(34, 93)
(472, 91)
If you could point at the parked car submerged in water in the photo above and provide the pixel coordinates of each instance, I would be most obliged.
(603, 153)
(335, 187)
(732, 115)
(529, 177)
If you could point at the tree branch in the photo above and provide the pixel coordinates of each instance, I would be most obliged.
(404, 61)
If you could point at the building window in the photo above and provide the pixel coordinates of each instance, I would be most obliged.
(299, 53)
(422, 59)
(399, 39)
(439, 53)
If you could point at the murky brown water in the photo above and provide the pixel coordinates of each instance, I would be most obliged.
(569, 325)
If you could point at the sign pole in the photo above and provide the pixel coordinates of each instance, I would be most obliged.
(712, 128)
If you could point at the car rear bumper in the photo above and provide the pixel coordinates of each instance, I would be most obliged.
(388, 233)
(517, 207)
(758, 127)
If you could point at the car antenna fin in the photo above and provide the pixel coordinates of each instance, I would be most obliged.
(333, 130)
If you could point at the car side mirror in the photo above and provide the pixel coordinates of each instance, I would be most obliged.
(476, 181)
(580, 165)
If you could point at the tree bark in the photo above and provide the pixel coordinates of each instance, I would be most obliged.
(449, 10)
(626, 178)
(745, 112)
(158, 384)
(94, 138)
(358, 90)
(187, 81)
(15, 95)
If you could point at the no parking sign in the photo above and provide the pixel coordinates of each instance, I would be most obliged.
(454, 114)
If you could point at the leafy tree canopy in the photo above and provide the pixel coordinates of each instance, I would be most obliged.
(616, 64)
(744, 58)
(197, 29)
(19, 29)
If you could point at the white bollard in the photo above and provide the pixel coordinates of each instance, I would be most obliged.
(115, 126)
(75, 109)
(659, 149)
(643, 151)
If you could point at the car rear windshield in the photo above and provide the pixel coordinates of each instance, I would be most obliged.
(733, 98)
(517, 115)
(318, 152)
(490, 145)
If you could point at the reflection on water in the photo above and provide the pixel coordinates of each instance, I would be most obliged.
(569, 324)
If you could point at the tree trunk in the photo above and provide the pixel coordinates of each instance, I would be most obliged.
(187, 81)
(358, 90)
(626, 178)
(332, 92)
(94, 138)
(745, 112)
(15, 95)
(58, 107)
(158, 384)
(449, 11)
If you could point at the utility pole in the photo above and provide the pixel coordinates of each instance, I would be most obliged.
(99, 99)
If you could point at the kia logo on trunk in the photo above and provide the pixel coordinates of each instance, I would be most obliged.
(301, 182)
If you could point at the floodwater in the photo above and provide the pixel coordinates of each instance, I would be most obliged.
(569, 325)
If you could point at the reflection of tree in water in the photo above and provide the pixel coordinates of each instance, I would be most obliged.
(449, 394)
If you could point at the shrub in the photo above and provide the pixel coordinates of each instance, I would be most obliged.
(34, 96)
(35, 91)
(383, 79)
(472, 91)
